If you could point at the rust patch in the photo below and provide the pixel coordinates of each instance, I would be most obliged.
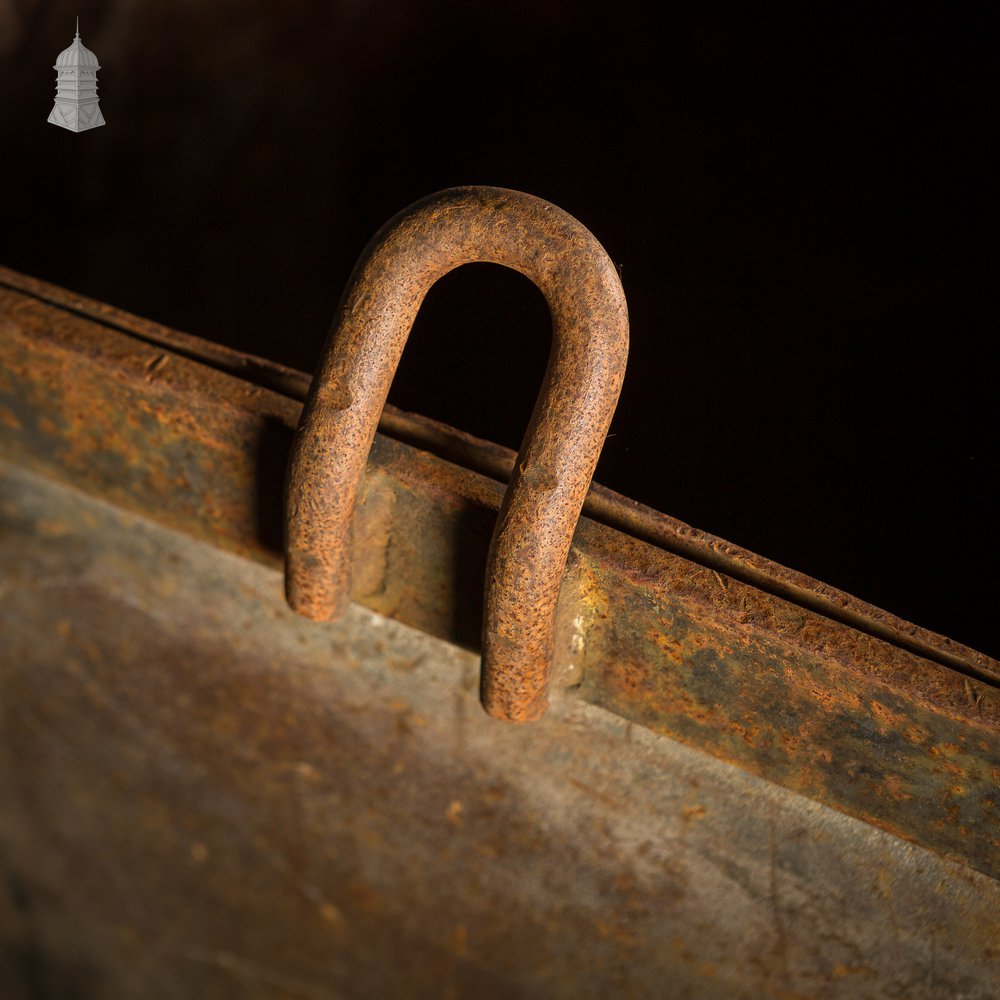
(731, 685)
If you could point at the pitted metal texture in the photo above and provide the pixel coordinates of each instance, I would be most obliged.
(560, 449)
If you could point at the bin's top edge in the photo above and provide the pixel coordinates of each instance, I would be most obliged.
(495, 461)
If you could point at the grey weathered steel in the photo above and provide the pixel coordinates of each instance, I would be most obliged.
(203, 795)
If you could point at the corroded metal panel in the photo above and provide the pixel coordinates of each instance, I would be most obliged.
(715, 664)
(675, 630)
(206, 796)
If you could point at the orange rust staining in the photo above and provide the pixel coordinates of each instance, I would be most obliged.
(625, 679)
(748, 733)
(364, 897)
(835, 700)
(884, 714)
(693, 812)
(579, 392)
(669, 643)
(841, 971)
(331, 915)
(615, 932)
(454, 813)
(53, 528)
(679, 646)
(460, 940)
(894, 788)
(625, 882)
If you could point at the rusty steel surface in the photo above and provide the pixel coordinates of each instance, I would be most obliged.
(497, 462)
(562, 443)
(886, 722)
(206, 796)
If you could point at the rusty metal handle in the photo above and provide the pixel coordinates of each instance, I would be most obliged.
(561, 446)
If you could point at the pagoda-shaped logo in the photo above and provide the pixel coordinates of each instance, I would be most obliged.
(76, 106)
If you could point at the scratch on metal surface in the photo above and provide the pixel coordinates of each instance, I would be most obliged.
(774, 901)
(253, 972)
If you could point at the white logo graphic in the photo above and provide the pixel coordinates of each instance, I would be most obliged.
(76, 106)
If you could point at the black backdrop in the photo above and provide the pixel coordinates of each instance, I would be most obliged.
(797, 205)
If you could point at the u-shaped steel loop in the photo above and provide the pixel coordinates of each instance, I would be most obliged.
(561, 445)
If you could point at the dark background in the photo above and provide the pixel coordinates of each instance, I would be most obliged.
(797, 205)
